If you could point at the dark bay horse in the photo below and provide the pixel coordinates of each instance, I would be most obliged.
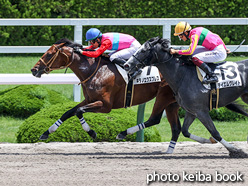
(104, 89)
(189, 91)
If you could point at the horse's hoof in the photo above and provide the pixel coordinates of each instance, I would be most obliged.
(237, 153)
(92, 134)
(212, 140)
(120, 137)
(44, 136)
(169, 151)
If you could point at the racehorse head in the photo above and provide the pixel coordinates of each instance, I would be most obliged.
(58, 56)
(151, 52)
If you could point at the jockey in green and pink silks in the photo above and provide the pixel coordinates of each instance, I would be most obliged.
(214, 49)
(204, 37)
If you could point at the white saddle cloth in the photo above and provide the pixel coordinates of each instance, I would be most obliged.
(144, 77)
(227, 73)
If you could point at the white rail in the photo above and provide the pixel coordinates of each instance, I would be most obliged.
(56, 78)
(79, 23)
(78, 37)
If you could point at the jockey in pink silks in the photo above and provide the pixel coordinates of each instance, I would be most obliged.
(122, 45)
(214, 48)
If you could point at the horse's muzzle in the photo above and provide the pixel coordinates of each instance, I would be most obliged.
(126, 67)
(35, 72)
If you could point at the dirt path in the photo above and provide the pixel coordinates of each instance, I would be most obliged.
(114, 164)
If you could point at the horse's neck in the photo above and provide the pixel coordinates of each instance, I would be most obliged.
(83, 67)
(173, 73)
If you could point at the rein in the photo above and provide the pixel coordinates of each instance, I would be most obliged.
(48, 65)
(84, 81)
(168, 59)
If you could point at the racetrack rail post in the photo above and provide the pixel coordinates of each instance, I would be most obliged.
(140, 119)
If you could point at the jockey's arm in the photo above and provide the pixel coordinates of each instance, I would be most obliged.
(194, 42)
(104, 46)
(89, 47)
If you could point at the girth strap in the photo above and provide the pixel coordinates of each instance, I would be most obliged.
(214, 97)
(129, 94)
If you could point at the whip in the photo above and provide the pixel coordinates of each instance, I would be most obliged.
(239, 46)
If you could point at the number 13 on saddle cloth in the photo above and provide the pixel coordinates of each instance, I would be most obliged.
(227, 73)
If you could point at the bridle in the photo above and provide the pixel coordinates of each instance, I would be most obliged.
(48, 65)
(154, 53)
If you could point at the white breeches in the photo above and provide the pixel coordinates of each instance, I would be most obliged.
(210, 56)
(125, 53)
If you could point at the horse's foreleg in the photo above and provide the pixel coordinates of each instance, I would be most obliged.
(172, 116)
(92, 107)
(153, 120)
(188, 120)
(56, 125)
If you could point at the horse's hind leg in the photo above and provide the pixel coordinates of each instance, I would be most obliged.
(244, 97)
(208, 123)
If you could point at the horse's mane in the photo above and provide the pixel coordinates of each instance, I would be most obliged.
(165, 46)
(68, 42)
(165, 43)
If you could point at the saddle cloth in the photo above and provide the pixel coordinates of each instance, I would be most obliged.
(227, 73)
(147, 75)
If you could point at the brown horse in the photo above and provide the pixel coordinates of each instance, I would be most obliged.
(104, 89)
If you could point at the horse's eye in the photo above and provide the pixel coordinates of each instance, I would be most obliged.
(48, 56)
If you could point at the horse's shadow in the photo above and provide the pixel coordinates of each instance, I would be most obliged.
(132, 155)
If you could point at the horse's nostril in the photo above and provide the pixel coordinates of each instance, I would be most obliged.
(33, 70)
(126, 67)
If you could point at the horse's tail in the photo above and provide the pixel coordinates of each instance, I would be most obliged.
(239, 108)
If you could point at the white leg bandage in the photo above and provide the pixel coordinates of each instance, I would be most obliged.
(55, 126)
(171, 147)
(226, 144)
(135, 128)
(199, 139)
(85, 125)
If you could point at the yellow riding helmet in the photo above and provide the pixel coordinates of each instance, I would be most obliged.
(181, 27)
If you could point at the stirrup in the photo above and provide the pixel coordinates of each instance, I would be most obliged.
(212, 79)
(136, 73)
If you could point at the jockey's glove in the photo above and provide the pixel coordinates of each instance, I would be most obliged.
(77, 50)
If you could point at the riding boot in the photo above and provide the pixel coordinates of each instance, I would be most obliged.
(210, 75)
(136, 73)
(119, 62)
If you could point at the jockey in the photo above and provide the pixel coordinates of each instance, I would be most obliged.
(214, 48)
(123, 45)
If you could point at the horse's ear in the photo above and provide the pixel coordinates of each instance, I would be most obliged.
(154, 40)
(165, 45)
(60, 45)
